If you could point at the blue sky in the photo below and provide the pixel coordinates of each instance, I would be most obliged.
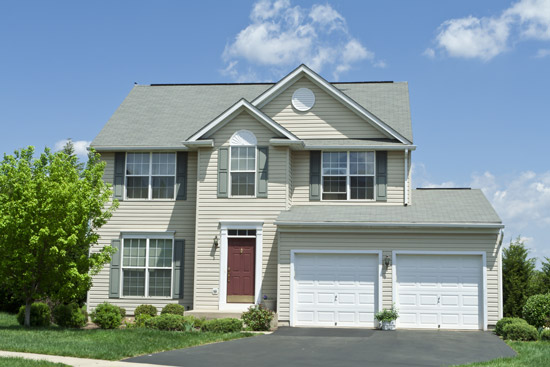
(478, 73)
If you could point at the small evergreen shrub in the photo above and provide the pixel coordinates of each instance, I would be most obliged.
(145, 310)
(173, 309)
(258, 318)
(141, 319)
(40, 315)
(507, 321)
(227, 325)
(545, 335)
(69, 316)
(107, 316)
(520, 331)
(537, 310)
(122, 311)
(167, 322)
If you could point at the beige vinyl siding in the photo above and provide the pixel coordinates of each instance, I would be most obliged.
(328, 119)
(300, 180)
(211, 209)
(387, 242)
(152, 216)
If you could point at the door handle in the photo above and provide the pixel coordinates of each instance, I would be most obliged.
(228, 274)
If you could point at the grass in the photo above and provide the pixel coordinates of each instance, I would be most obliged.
(21, 362)
(97, 343)
(532, 354)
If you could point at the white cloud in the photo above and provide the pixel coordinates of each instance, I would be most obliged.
(543, 52)
(80, 147)
(429, 52)
(486, 37)
(281, 36)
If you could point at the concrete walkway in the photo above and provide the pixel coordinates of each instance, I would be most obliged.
(75, 362)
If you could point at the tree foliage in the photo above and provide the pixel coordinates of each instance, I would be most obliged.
(517, 271)
(50, 210)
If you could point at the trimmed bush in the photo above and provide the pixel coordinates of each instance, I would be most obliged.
(167, 322)
(107, 316)
(228, 325)
(145, 310)
(545, 335)
(122, 311)
(507, 321)
(537, 310)
(173, 309)
(40, 315)
(141, 320)
(520, 331)
(69, 316)
(258, 318)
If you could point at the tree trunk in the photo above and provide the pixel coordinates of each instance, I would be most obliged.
(28, 304)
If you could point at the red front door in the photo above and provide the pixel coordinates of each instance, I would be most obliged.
(240, 270)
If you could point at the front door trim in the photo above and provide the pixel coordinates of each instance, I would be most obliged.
(343, 252)
(225, 226)
(483, 255)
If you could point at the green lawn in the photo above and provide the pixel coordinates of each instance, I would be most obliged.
(20, 362)
(531, 354)
(99, 344)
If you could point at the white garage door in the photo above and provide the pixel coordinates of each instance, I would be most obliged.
(439, 291)
(335, 289)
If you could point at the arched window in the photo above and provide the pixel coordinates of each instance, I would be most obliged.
(243, 163)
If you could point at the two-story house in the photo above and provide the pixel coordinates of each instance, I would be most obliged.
(298, 191)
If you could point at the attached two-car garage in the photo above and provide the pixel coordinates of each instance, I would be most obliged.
(344, 289)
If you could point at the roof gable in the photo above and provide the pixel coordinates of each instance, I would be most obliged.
(234, 111)
(303, 70)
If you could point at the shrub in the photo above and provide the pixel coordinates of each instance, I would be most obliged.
(141, 320)
(107, 316)
(167, 322)
(545, 335)
(258, 318)
(70, 316)
(228, 325)
(173, 309)
(387, 314)
(507, 321)
(145, 310)
(122, 311)
(40, 315)
(520, 331)
(537, 310)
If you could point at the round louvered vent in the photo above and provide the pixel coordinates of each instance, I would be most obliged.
(303, 99)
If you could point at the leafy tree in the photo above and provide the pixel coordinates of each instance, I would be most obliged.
(50, 211)
(68, 149)
(517, 271)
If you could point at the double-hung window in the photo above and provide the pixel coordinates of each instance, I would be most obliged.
(348, 175)
(243, 171)
(147, 267)
(150, 175)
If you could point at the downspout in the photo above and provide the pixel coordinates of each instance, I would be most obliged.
(406, 196)
(500, 287)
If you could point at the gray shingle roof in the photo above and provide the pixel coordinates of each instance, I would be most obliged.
(164, 116)
(428, 207)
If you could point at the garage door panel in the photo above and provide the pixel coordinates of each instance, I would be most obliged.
(344, 295)
(439, 291)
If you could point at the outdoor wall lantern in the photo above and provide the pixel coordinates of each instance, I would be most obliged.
(387, 261)
(216, 241)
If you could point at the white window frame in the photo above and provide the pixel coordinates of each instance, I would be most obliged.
(348, 176)
(255, 171)
(146, 268)
(150, 175)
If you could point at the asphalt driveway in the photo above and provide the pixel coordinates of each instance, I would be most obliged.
(341, 347)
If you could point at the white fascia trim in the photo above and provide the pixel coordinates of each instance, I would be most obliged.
(382, 224)
(134, 148)
(199, 143)
(406, 187)
(225, 226)
(147, 234)
(344, 252)
(360, 147)
(483, 255)
(264, 98)
(231, 113)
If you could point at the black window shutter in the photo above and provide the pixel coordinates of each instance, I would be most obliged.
(118, 184)
(315, 175)
(381, 175)
(177, 283)
(263, 154)
(181, 176)
(114, 271)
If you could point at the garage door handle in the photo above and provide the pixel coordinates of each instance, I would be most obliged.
(438, 299)
(335, 298)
